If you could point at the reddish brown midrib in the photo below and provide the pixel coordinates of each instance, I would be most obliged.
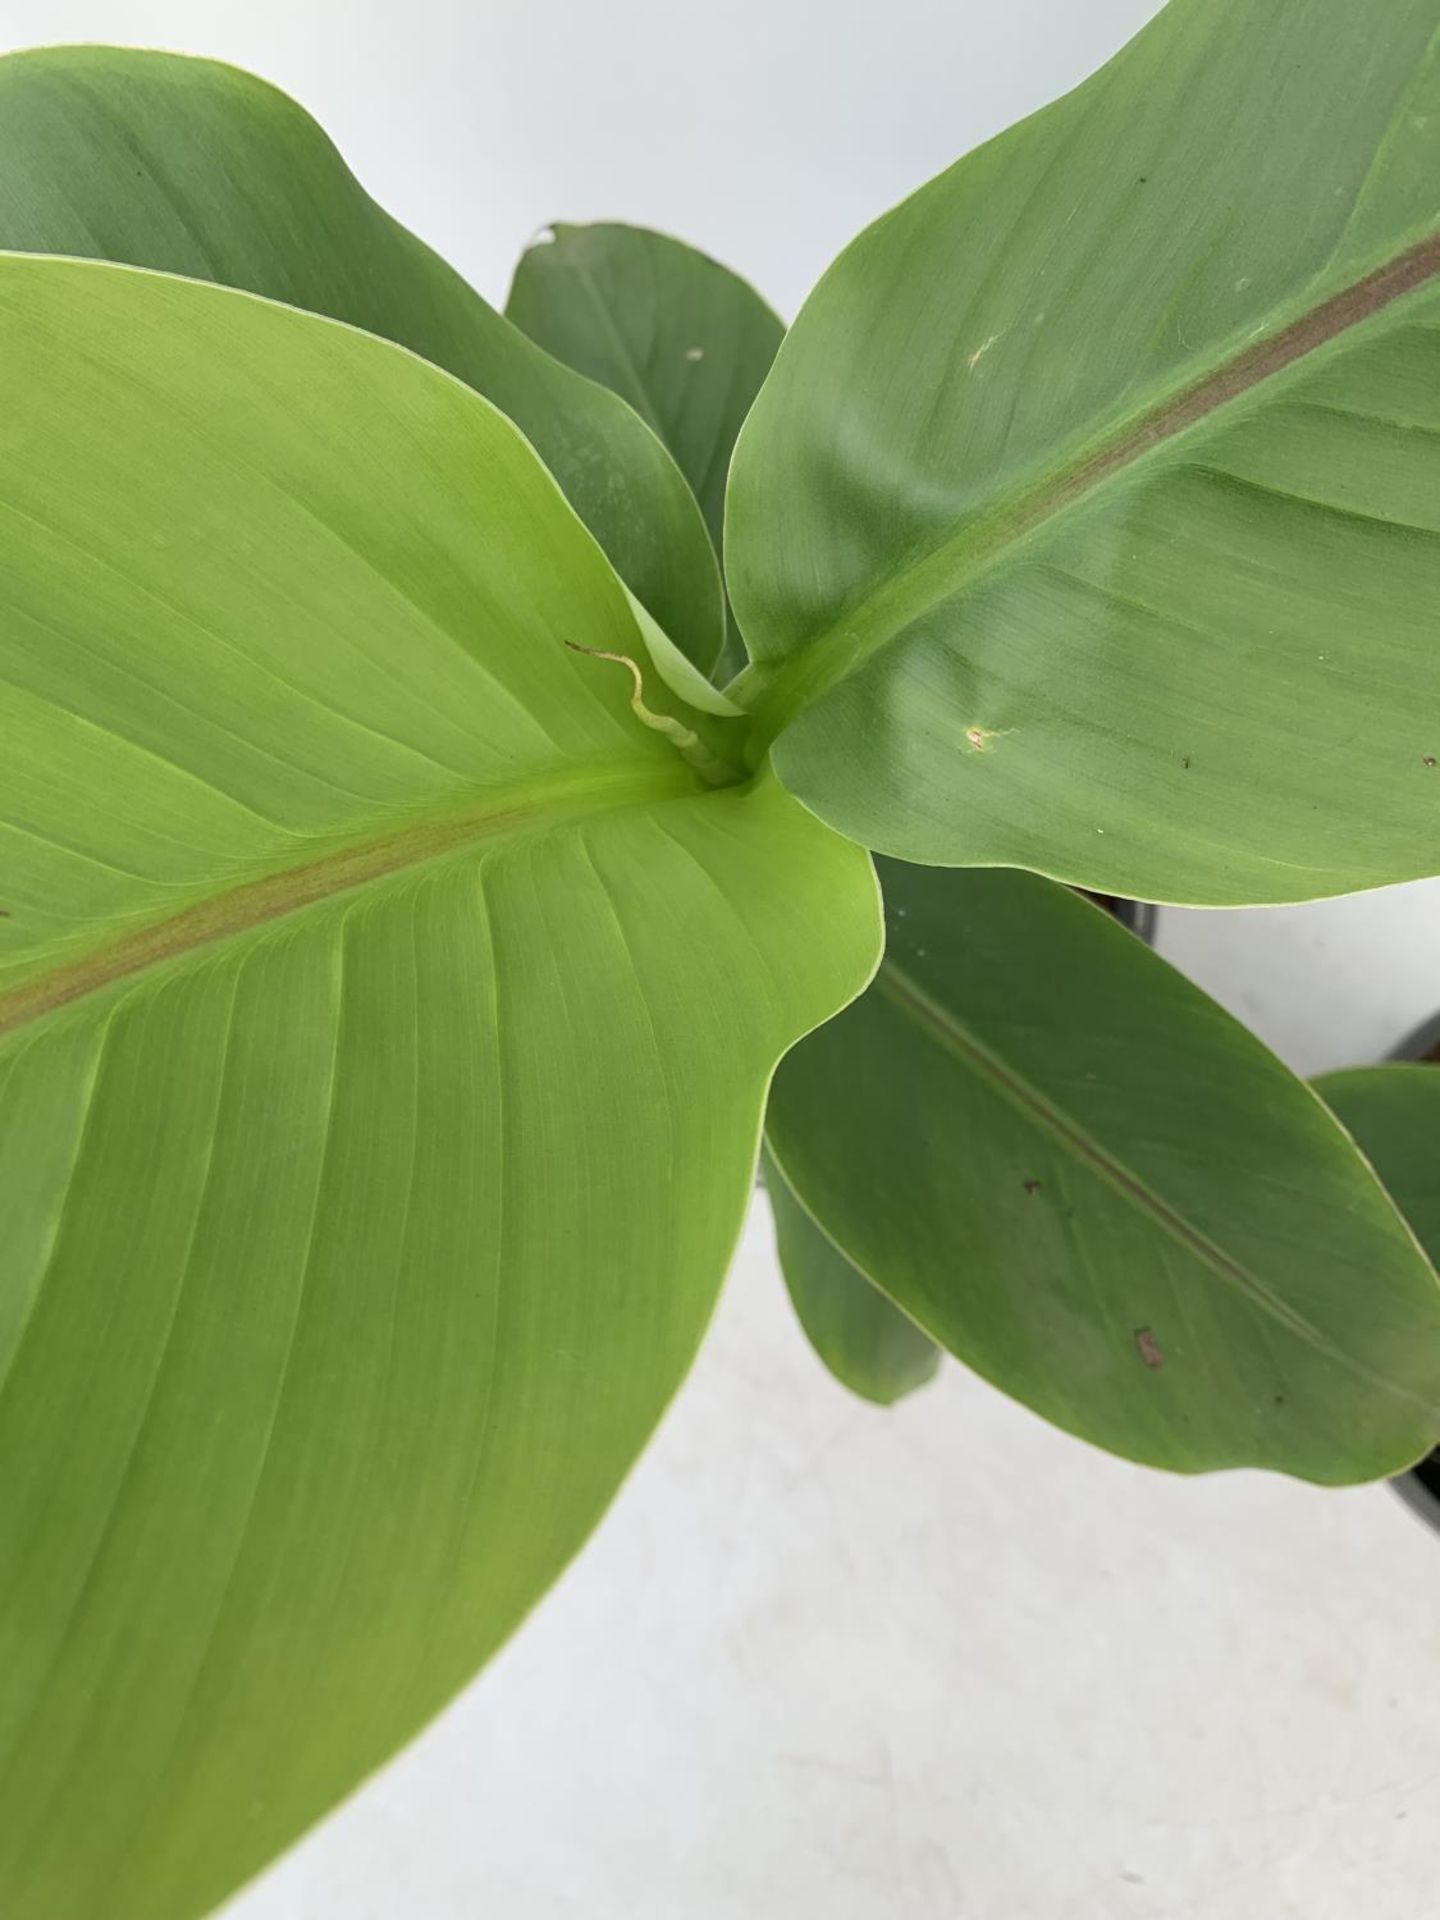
(275, 895)
(1361, 301)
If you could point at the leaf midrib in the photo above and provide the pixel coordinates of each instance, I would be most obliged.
(915, 1003)
(980, 544)
(526, 807)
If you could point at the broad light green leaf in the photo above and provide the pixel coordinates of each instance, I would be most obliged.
(680, 337)
(863, 1338)
(1088, 520)
(185, 165)
(386, 1016)
(1080, 1175)
(1393, 1112)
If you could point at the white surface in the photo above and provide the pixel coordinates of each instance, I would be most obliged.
(824, 1663)
(1336, 983)
(766, 131)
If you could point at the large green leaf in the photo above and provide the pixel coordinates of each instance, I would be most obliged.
(1393, 1112)
(192, 167)
(863, 1338)
(680, 337)
(386, 1016)
(1080, 1175)
(1088, 519)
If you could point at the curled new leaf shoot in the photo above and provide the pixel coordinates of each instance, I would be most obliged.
(708, 765)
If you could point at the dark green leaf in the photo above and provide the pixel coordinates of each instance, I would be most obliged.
(1393, 1112)
(1085, 1179)
(683, 339)
(865, 1341)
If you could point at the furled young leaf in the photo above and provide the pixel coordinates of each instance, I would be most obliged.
(192, 167)
(1085, 1179)
(863, 1338)
(1088, 520)
(680, 337)
(386, 1015)
(1393, 1112)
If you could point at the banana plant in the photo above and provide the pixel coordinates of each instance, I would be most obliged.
(466, 775)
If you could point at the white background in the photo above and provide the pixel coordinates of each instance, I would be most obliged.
(939, 1664)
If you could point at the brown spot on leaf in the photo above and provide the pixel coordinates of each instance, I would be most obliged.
(1148, 1348)
(1431, 761)
(1032, 1186)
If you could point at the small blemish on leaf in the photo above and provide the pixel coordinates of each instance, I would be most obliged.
(1431, 761)
(979, 737)
(1185, 762)
(1148, 1348)
(1032, 1186)
(973, 360)
(695, 353)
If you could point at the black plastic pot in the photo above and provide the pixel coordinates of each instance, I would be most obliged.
(1140, 917)
(1422, 1045)
(1420, 1488)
